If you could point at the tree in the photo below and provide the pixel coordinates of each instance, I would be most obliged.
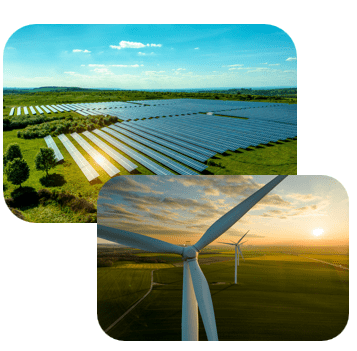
(45, 160)
(17, 171)
(13, 151)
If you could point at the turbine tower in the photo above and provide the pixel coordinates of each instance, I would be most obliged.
(237, 252)
(196, 293)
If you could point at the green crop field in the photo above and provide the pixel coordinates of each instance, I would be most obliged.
(278, 297)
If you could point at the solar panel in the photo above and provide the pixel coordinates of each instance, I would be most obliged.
(89, 172)
(173, 154)
(56, 108)
(32, 110)
(98, 157)
(51, 143)
(12, 111)
(46, 109)
(39, 110)
(163, 142)
(81, 112)
(26, 112)
(152, 166)
(18, 111)
(128, 165)
(63, 107)
(189, 135)
(153, 154)
(166, 136)
(51, 108)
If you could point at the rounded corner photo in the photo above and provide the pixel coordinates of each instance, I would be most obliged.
(229, 258)
(150, 102)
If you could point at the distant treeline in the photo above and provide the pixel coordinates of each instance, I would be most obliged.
(106, 259)
(284, 92)
(43, 89)
(77, 95)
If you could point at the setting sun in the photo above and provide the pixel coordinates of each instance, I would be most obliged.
(317, 231)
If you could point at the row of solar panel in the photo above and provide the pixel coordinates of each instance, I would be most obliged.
(210, 133)
(90, 172)
(284, 114)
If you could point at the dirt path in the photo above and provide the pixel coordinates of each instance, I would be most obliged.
(331, 264)
(132, 307)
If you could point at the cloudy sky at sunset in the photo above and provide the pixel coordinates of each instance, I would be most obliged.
(301, 210)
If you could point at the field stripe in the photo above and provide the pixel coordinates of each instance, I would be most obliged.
(331, 264)
(132, 307)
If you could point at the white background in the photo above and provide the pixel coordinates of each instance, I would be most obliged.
(48, 271)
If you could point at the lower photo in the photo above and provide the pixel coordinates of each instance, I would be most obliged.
(229, 258)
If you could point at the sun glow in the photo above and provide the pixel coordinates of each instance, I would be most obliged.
(317, 231)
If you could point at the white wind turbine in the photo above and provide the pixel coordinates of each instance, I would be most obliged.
(237, 252)
(196, 293)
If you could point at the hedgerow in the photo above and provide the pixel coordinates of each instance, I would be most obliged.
(67, 125)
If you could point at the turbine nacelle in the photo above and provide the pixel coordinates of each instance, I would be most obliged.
(189, 252)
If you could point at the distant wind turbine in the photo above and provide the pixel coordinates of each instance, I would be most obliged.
(237, 252)
(196, 293)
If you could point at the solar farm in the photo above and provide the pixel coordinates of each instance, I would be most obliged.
(174, 136)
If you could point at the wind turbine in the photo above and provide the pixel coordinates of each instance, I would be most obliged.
(237, 252)
(196, 293)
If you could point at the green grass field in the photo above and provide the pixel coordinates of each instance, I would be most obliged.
(282, 297)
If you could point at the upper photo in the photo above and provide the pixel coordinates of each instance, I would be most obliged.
(85, 103)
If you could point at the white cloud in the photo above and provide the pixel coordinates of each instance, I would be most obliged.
(264, 63)
(234, 65)
(83, 65)
(150, 73)
(132, 45)
(85, 51)
(95, 65)
(136, 65)
(289, 71)
(197, 48)
(291, 59)
(145, 54)
(102, 71)
(70, 72)
(274, 64)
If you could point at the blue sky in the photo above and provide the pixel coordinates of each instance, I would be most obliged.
(180, 208)
(150, 56)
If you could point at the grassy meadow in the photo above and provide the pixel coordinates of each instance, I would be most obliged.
(278, 297)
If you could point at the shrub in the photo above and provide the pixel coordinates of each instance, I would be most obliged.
(64, 198)
(17, 171)
(13, 151)
(44, 194)
(18, 213)
(79, 204)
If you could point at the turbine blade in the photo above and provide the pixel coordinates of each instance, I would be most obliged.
(242, 237)
(189, 322)
(137, 241)
(243, 242)
(225, 243)
(204, 300)
(241, 253)
(231, 217)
